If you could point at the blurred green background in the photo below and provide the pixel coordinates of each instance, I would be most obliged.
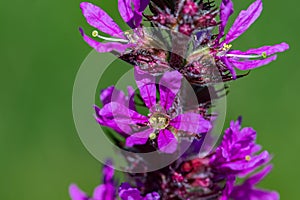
(41, 51)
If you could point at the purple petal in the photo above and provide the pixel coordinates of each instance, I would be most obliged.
(76, 193)
(152, 196)
(131, 94)
(167, 142)
(126, 192)
(99, 19)
(247, 190)
(229, 66)
(246, 193)
(146, 85)
(169, 86)
(106, 95)
(191, 122)
(104, 47)
(269, 50)
(108, 172)
(228, 188)
(140, 5)
(104, 191)
(244, 21)
(108, 121)
(139, 138)
(112, 94)
(242, 165)
(126, 12)
(118, 116)
(226, 10)
(256, 178)
(251, 64)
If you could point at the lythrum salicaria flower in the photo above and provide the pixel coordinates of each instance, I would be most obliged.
(251, 58)
(214, 175)
(99, 19)
(161, 125)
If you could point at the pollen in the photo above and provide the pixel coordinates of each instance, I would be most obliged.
(95, 33)
(264, 54)
(248, 158)
(226, 47)
(159, 121)
(152, 136)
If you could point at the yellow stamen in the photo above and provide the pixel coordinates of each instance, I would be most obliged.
(152, 136)
(95, 33)
(248, 158)
(264, 54)
(226, 47)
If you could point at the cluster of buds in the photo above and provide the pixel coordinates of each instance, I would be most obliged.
(179, 51)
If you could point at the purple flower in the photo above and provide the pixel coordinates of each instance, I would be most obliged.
(126, 192)
(252, 58)
(238, 152)
(99, 19)
(247, 190)
(162, 123)
(104, 191)
(106, 96)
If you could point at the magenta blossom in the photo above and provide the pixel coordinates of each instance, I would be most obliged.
(162, 124)
(126, 192)
(106, 96)
(238, 152)
(247, 190)
(251, 58)
(99, 19)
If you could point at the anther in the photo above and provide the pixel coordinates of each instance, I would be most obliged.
(152, 136)
(95, 33)
(264, 54)
(248, 158)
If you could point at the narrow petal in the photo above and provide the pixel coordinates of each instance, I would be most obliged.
(268, 50)
(228, 188)
(130, 194)
(108, 122)
(111, 94)
(131, 94)
(122, 114)
(76, 193)
(118, 117)
(99, 19)
(140, 5)
(226, 11)
(104, 191)
(243, 192)
(104, 47)
(242, 165)
(107, 94)
(167, 142)
(244, 21)
(191, 122)
(108, 172)
(229, 66)
(139, 138)
(256, 178)
(126, 12)
(152, 196)
(251, 64)
(169, 86)
(146, 85)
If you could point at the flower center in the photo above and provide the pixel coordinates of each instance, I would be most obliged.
(159, 121)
